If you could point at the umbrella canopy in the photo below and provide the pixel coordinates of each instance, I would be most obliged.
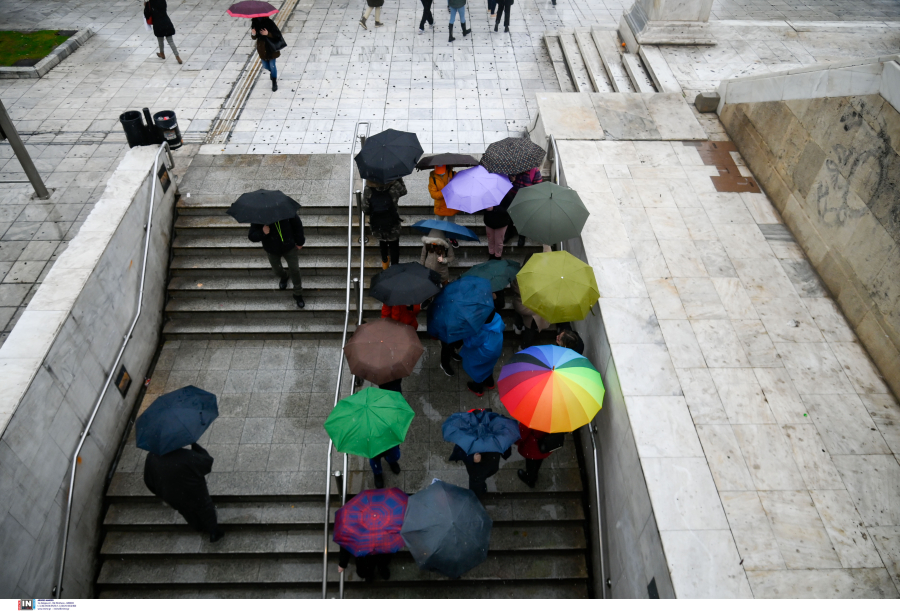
(451, 230)
(480, 431)
(405, 284)
(388, 155)
(175, 420)
(548, 213)
(383, 350)
(370, 523)
(263, 206)
(512, 156)
(369, 422)
(461, 309)
(447, 529)
(454, 160)
(498, 272)
(551, 389)
(475, 189)
(252, 8)
(558, 286)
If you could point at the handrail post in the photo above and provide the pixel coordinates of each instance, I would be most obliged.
(592, 429)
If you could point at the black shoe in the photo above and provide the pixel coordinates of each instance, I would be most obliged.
(448, 370)
(395, 467)
(524, 478)
(451, 34)
(283, 284)
(455, 356)
(300, 303)
(217, 535)
(274, 84)
(379, 481)
(496, 25)
(465, 31)
(506, 28)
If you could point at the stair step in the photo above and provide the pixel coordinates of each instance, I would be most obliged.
(265, 305)
(592, 61)
(575, 63)
(221, 224)
(658, 68)
(607, 42)
(198, 329)
(252, 285)
(638, 74)
(554, 48)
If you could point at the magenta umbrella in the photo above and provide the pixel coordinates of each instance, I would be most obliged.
(475, 189)
(252, 8)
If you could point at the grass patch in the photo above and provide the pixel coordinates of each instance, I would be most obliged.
(27, 48)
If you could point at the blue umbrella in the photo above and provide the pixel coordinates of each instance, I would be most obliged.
(175, 420)
(446, 529)
(460, 310)
(452, 230)
(480, 431)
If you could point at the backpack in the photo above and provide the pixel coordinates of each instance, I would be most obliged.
(551, 443)
(382, 212)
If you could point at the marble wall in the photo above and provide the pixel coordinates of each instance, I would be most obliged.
(59, 354)
(832, 166)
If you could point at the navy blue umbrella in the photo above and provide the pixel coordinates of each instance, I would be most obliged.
(446, 529)
(460, 310)
(480, 431)
(175, 420)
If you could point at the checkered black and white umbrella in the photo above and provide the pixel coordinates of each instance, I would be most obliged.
(512, 156)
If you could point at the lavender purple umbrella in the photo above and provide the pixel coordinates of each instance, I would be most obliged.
(475, 189)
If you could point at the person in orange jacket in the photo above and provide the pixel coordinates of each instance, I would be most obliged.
(437, 180)
(407, 314)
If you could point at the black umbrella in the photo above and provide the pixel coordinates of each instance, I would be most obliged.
(446, 529)
(263, 207)
(512, 156)
(388, 156)
(405, 284)
(450, 159)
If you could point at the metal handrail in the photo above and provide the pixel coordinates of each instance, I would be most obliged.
(57, 589)
(337, 388)
(592, 429)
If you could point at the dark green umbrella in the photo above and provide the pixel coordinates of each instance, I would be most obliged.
(548, 213)
(498, 272)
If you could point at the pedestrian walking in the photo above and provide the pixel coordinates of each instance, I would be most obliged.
(496, 220)
(283, 239)
(380, 202)
(268, 42)
(520, 181)
(449, 352)
(437, 180)
(525, 321)
(481, 352)
(426, 16)
(392, 457)
(156, 15)
(437, 254)
(372, 4)
(492, 7)
(504, 6)
(179, 478)
(457, 7)
(569, 338)
(368, 565)
(529, 449)
(480, 466)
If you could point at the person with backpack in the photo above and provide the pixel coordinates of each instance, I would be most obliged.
(529, 447)
(283, 239)
(380, 202)
(268, 42)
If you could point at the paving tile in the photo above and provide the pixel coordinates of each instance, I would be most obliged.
(799, 531)
(768, 457)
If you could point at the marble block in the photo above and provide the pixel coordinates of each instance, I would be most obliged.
(874, 486)
(705, 564)
(801, 536)
(824, 584)
(842, 522)
(845, 425)
(755, 541)
(566, 116)
(624, 116)
(815, 464)
(674, 119)
(683, 494)
(724, 456)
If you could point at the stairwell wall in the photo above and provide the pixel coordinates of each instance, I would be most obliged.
(52, 370)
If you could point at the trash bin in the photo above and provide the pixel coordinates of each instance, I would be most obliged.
(167, 125)
(134, 128)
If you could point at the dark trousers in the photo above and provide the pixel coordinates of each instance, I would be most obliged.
(530, 334)
(480, 472)
(502, 8)
(532, 466)
(392, 248)
(293, 260)
(447, 351)
(426, 14)
(492, 6)
(203, 518)
(480, 386)
(392, 456)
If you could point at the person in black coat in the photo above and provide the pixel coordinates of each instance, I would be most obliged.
(179, 479)
(155, 10)
(366, 565)
(480, 466)
(264, 31)
(283, 239)
(503, 6)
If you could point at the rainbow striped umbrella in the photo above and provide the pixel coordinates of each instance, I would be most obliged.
(551, 389)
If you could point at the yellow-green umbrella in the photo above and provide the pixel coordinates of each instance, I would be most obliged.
(558, 286)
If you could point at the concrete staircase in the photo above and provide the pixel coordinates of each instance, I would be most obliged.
(593, 60)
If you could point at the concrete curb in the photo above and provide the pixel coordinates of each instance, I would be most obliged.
(45, 65)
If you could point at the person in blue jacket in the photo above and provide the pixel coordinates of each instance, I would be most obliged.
(481, 352)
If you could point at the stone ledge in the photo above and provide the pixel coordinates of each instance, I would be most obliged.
(48, 63)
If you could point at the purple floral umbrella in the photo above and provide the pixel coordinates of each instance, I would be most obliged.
(475, 189)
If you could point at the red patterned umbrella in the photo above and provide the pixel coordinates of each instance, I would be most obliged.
(371, 522)
(252, 8)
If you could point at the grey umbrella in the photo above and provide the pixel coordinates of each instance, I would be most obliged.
(446, 529)
(512, 156)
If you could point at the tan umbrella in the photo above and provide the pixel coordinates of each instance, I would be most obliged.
(383, 350)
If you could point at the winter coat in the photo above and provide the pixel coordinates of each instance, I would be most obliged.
(520, 181)
(290, 237)
(481, 351)
(179, 477)
(162, 25)
(264, 23)
(527, 315)
(496, 218)
(528, 444)
(436, 183)
(435, 245)
(365, 565)
(456, 3)
(374, 3)
(385, 229)
(402, 313)
(485, 468)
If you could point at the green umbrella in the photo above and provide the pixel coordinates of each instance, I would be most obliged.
(498, 272)
(369, 422)
(548, 213)
(558, 286)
